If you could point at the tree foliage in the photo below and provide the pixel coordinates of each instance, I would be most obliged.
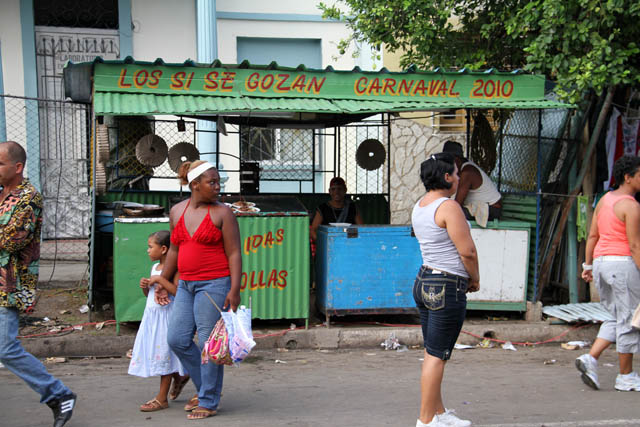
(581, 44)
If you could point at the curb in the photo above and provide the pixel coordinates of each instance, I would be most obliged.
(335, 338)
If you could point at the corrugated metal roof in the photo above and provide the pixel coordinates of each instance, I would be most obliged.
(583, 312)
(138, 104)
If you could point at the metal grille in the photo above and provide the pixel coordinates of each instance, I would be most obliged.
(123, 169)
(359, 180)
(55, 135)
(284, 154)
(516, 167)
(76, 13)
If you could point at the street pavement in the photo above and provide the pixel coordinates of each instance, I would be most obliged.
(356, 387)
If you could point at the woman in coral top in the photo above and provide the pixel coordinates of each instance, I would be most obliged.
(612, 260)
(205, 249)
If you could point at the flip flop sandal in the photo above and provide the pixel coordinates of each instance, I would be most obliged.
(153, 405)
(177, 386)
(192, 404)
(201, 413)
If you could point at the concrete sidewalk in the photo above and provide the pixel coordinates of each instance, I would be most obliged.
(343, 337)
(339, 336)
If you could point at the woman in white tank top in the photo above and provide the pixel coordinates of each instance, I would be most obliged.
(449, 270)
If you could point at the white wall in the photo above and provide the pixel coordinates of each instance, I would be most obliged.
(304, 7)
(11, 40)
(164, 29)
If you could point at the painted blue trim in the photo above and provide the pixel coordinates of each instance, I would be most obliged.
(3, 120)
(207, 51)
(293, 17)
(32, 123)
(124, 28)
(206, 31)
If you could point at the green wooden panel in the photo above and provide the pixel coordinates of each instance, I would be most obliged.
(130, 263)
(275, 266)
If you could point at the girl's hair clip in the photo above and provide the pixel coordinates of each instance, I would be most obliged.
(433, 157)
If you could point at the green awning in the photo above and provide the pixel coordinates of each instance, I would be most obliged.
(142, 88)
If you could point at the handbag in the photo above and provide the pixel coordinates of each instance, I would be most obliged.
(635, 320)
(216, 347)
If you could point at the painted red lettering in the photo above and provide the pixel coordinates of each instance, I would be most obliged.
(360, 86)
(121, 83)
(273, 279)
(420, 88)
(388, 87)
(279, 236)
(266, 82)
(140, 78)
(282, 78)
(299, 83)
(487, 93)
(155, 79)
(315, 85)
(405, 87)
(374, 87)
(442, 91)
(177, 80)
(477, 92)
(451, 88)
(282, 282)
(507, 92)
(227, 81)
(252, 82)
(210, 81)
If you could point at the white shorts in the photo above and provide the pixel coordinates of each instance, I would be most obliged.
(618, 281)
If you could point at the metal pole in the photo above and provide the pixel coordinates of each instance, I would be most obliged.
(538, 206)
(468, 132)
(389, 167)
(501, 147)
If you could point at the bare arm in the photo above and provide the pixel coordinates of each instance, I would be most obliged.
(317, 220)
(171, 262)
(231, 241)
(170, 286)
(170, 267)
(144, 285)
(592, 240)
(464, 185)
(359, 220)
(450, 216)
(632, 225)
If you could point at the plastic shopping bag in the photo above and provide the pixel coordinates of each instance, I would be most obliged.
(240, 336)
(216, 348)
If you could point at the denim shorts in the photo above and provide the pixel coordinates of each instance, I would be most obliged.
(442, 302)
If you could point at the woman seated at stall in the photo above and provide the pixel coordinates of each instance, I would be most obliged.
(339, 209)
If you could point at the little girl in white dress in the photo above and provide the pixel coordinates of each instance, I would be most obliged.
(151, 355)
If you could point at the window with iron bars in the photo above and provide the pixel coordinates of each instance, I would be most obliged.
(284, 154)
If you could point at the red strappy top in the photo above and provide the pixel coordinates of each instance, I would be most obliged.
(201, 256)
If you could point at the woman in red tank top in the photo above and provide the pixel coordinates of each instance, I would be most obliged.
(612, 261)
(205, 249)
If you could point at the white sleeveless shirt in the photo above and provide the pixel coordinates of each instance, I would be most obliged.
(486, 193)
(438, 251)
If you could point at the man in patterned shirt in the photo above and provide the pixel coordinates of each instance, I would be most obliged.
(20, 224)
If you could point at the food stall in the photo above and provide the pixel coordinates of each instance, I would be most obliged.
(275, 97)
(370, 269)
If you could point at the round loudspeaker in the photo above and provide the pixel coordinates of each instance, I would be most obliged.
(151, 150)
(180, 153)
(371, 154)
(102, 142)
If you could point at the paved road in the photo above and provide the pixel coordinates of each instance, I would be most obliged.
(369, 387)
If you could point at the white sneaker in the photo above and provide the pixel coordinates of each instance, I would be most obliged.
(450, 419)
(589, 368)
(435, 422)
(628, 382)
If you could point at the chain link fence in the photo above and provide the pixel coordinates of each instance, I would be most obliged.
(56, 136)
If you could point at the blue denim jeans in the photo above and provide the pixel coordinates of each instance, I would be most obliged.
(24, 365)
(193, 312)
(442, 302)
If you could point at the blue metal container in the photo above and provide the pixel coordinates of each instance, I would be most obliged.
(366, 269)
